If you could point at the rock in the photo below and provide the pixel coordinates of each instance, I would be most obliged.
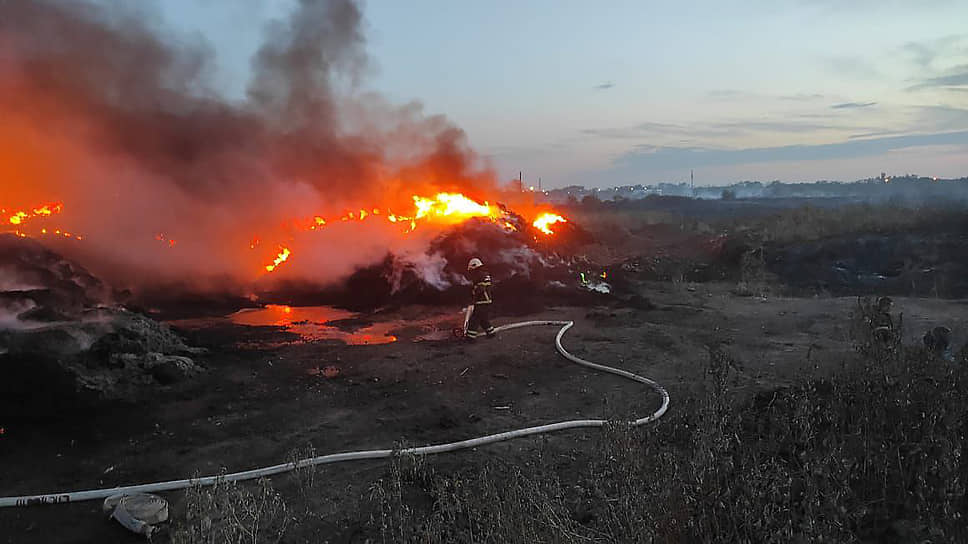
(169, 369)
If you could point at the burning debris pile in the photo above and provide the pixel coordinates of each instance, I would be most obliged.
(62, 339)
(531, 269)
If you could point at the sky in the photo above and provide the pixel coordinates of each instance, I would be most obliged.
(631, 91)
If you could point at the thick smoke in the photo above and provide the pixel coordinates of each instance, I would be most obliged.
(123, 125)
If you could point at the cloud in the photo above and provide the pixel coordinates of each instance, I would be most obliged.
(924, 54)
(647, 158)
(941, 118)
(734, 94)
(802, 97)
(852, 66)
(955, 78)
(634, 132)
(722, 129)
(604, 86)
(775, 126)
(728, 94)
(876, 133)
(853, 105)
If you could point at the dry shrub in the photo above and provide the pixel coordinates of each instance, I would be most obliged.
(497, 502)
(303, 475)
(230, 513)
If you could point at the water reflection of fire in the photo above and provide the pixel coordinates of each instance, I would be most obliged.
(315, 323)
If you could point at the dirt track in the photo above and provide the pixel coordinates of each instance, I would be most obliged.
(256, 405)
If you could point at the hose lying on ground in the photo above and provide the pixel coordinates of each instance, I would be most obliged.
(75, 496)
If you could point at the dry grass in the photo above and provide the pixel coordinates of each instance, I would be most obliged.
(809, 223)
(875, 452)
(232, 513)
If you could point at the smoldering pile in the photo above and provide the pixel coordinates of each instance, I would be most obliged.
(64, 341)
(530, 272)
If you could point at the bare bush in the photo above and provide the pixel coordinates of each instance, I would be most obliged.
(303, 474)
(229, 513)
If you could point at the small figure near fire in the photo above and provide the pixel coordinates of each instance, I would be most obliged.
(882, 321)
(480, 317)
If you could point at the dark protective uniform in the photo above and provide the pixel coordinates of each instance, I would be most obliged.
(481, 316)
(938, 342)
(882, 322)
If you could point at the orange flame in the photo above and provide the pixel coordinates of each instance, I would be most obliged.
(283, 255)
(451, 206)
(545, 220)
(18, 219)
(442, 208)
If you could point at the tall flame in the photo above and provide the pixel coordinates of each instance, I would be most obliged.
(451, 206)
(545, 220)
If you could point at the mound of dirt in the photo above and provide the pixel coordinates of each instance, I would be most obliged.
(38, 285)
(63, 344)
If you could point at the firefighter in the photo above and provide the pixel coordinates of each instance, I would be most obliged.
(882, 322)
(882, 313)
(481, 294)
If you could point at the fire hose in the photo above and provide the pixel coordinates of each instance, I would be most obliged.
(92, 494)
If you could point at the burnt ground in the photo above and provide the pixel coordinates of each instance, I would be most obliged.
(255, 405)
(926, 263)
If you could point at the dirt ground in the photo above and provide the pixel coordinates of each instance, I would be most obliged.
(261, 401)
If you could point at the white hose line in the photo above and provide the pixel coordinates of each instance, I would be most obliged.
(75, 496)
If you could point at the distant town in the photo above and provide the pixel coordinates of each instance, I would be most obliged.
(910, 187)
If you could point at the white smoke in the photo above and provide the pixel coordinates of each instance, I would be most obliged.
(9, 312)
(429, 267)
(520, 260)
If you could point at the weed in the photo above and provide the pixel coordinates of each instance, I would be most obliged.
(303, 474)
(229, 513)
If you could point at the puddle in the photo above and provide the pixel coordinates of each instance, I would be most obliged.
(314, 323)
(325, 323)
(310, 323)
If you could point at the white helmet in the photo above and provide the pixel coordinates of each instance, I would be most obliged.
(474, 264)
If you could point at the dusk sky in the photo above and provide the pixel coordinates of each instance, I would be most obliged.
(618, 92)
